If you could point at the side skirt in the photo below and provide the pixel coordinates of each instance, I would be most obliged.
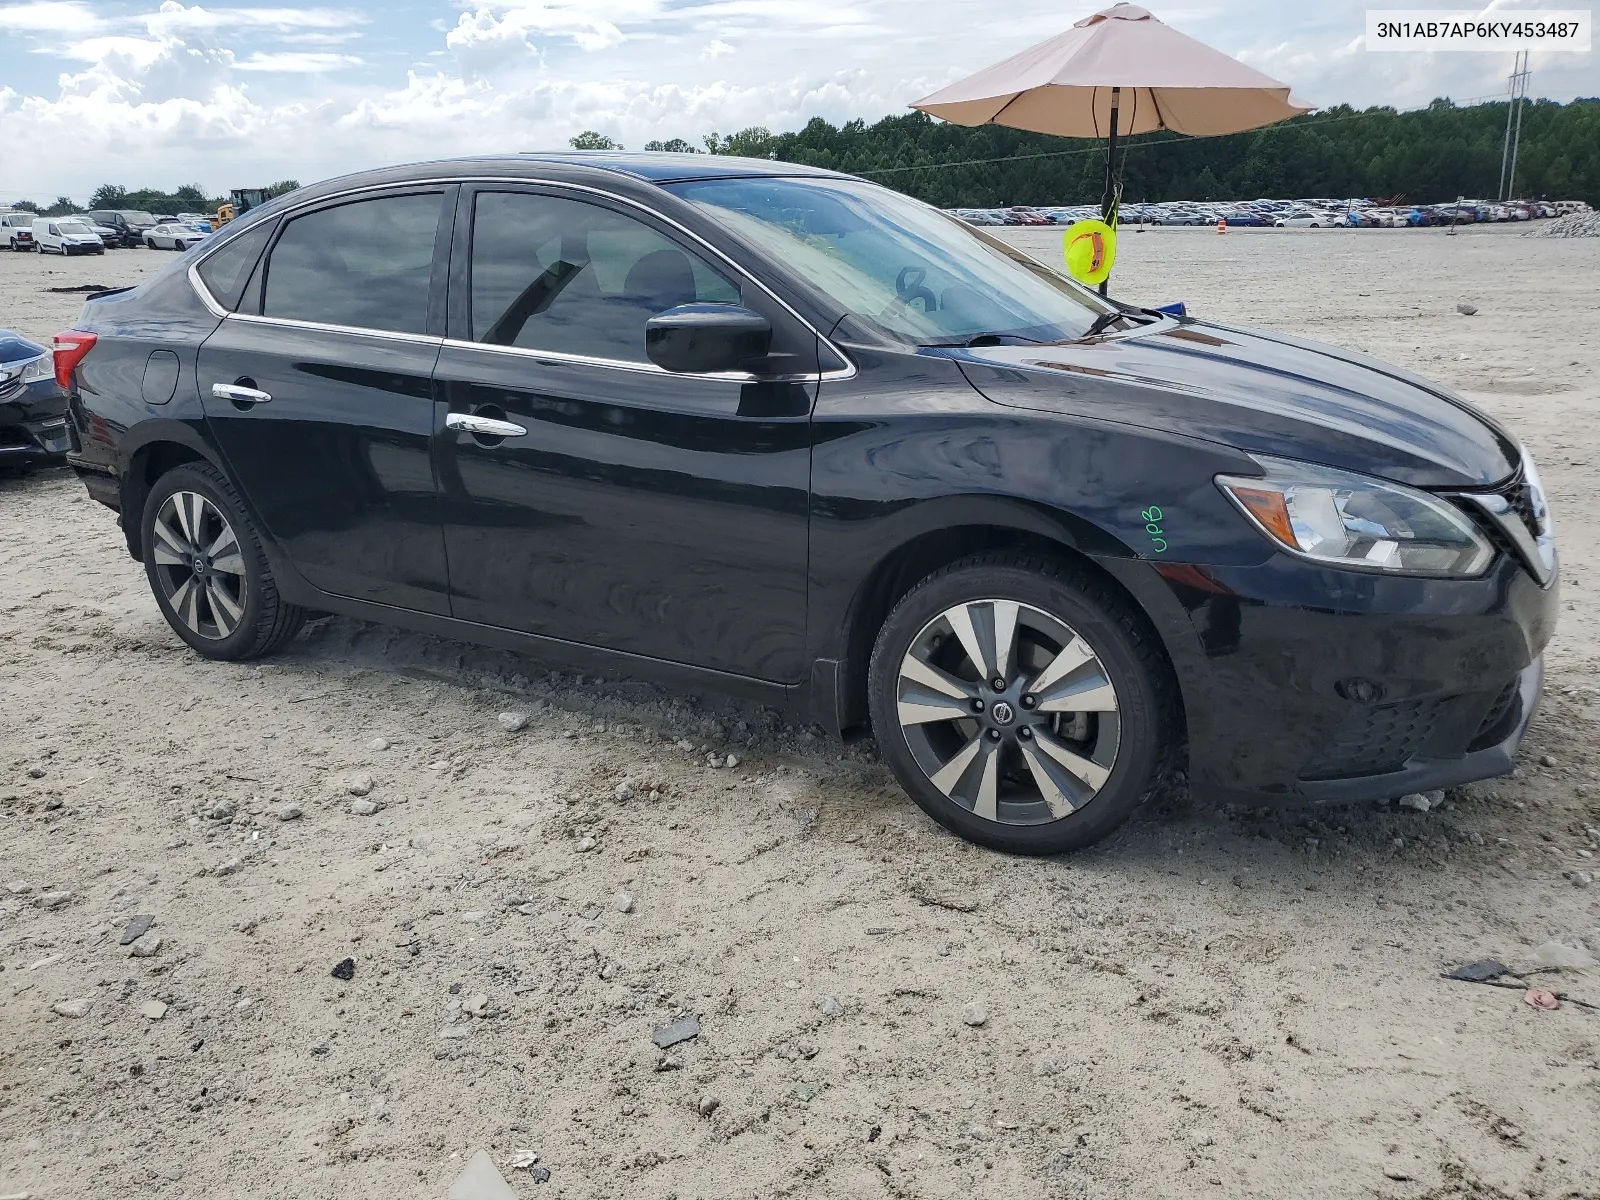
(793, 699)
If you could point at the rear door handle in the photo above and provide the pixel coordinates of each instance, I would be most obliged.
(239, 395)
(483, 426)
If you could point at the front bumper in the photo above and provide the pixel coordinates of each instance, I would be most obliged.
(33, 423)
(1306, 685)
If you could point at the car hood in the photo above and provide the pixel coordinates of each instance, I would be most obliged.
(1259, 392)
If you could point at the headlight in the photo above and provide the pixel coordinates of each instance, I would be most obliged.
(40, 368)
(1349, 520)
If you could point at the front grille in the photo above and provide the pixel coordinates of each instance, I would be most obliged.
(1375, 740)
(1498, 721)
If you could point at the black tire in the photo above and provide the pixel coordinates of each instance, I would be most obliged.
(267, 621)
(1146, 710)
(178, 245)
(150, 243)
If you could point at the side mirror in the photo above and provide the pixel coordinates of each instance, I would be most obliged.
(702, 338)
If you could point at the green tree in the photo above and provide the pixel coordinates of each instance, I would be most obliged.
(62, 206)
(284, 186)
(672, 146)
(109, 195)
(590, 140)
(26, 206)
(1429, 155)
(755, 142)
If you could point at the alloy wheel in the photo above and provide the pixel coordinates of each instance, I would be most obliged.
(1008, 711)
(199, 565)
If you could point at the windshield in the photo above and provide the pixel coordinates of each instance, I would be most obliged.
(918, 274)
(137, 217)
(74, 227)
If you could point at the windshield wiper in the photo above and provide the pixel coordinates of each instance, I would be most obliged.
(1103, 322)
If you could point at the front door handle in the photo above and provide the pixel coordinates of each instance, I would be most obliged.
(482, 426)
(239, 394)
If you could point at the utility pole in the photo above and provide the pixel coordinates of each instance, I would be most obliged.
(1508, 149)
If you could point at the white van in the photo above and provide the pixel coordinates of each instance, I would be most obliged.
(66, 235)
(16, 230)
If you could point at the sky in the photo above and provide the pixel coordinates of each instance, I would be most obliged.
(244, 94)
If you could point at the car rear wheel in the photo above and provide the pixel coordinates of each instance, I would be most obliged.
(1021, 703)
(206, 568)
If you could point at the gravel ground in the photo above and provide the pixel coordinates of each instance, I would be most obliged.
(388, 931)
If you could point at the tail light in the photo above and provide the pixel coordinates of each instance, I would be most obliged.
(70, 348)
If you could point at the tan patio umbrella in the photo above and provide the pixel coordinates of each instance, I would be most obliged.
(1119, 71)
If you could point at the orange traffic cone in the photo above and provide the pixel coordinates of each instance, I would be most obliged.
(1222, 224)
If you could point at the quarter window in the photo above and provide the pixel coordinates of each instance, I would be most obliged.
(367, 264)
(555, 274)
(226, 268)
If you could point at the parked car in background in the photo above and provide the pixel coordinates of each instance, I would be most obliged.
(176, 235)
(33, 406)
(66, 236)
(109, 237)
(189, 217)
(130, 224)
(1304, 219)
(618, 410)
(16, 228)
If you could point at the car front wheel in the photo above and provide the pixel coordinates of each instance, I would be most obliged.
(1022, 703)
(207, 570)
(178, 246)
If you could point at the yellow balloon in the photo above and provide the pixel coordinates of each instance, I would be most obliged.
(1089, 247)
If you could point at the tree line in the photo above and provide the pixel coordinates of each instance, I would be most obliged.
(188, 197)
(1423, 156)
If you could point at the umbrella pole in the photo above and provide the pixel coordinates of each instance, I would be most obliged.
(1108, 200)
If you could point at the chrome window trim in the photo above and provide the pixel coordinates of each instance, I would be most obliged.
(848, 371)
(392, 335)
(200, 289)
(646, 368)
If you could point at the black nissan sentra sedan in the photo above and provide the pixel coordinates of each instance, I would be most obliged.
(780, 432)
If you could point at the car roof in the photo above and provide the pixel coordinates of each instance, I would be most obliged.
(661, 167)
(596, 167)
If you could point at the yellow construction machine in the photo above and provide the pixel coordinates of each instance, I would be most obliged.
(240, 201)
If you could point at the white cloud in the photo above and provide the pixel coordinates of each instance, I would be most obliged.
(141, 51)
(49, 16)
(716, 48)
(174, 17)
(297, 63)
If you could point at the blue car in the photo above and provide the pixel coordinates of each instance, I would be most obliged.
(33, 407)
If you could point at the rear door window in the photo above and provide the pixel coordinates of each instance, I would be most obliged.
(550, 273)
(367, 264)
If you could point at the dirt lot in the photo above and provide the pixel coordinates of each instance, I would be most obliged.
(1213, 1003)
